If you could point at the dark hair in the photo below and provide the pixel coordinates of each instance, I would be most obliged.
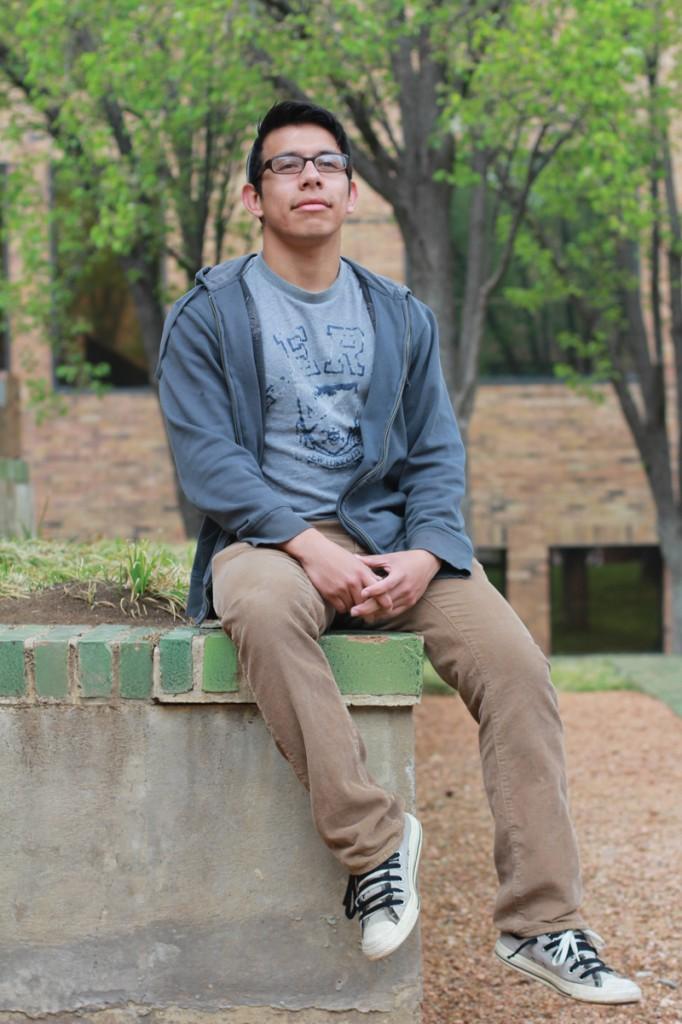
(293, 112)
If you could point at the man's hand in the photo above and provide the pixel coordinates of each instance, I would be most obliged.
(340, 576)
(407, 574)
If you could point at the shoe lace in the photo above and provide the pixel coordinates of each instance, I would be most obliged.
(576, 945)
(572, 944)
(375, 890)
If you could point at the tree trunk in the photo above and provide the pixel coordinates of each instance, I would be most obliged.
(472, 320)
(670, 533)
(429, 263)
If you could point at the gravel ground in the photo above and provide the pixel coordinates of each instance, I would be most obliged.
(625, 778)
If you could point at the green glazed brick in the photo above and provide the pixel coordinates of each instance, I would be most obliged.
(136, 660)
(51, 669)
(51, 652)
(175, 655)
(380, 664)
(15, 470)
(12, 675)
(20, 471)
(220, 671)
(95, 660)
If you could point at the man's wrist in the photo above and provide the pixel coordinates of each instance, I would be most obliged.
(436, 561)
(298, 545)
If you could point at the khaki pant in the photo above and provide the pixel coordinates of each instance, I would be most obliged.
(479, 646)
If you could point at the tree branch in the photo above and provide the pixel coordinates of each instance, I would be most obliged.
(537, 161)
(628, 260)
(221, 219)
(505, 174)
(181, 260)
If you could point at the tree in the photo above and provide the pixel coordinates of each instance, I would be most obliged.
(147, 107)
(615, 186)
(466, 95)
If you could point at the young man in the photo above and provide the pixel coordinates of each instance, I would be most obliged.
(309, 422)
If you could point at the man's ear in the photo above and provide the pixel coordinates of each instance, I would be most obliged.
(251, 200)
(352, 196)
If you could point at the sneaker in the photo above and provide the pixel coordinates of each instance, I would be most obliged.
(568, 962)
(387, 897)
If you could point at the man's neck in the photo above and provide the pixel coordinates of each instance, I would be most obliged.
(314, 268)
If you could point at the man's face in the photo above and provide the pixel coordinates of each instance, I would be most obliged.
(308, 207)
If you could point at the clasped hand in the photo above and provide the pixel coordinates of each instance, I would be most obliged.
(352, 584)
(406, 575)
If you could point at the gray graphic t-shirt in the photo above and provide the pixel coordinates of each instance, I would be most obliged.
(318, 350)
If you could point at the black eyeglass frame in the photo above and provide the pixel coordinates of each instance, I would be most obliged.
(346, 167)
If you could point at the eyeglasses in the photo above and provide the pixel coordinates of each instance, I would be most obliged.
(293, 163)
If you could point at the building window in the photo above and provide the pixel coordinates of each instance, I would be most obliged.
(96, 321)
(494, 561)
(606, 600)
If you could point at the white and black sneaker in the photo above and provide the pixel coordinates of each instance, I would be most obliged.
(387, 897)
(568, 962)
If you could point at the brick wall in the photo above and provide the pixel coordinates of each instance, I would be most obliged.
(103, 470)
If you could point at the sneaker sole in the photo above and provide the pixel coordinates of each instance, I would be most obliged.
(537, 972)
(411, 913)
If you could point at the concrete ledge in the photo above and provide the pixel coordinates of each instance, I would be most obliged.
(186, 665)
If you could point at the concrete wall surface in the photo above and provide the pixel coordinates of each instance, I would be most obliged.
(158, 862)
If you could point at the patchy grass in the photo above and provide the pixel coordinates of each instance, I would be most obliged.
(142, 568)
(656, 674)
(659, 675)
(588, 675)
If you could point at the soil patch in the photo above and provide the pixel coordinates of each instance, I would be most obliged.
(87, 604)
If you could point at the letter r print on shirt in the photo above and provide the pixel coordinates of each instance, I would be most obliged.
(351, 342)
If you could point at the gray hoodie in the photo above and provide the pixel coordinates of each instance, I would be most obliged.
(406, 491)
